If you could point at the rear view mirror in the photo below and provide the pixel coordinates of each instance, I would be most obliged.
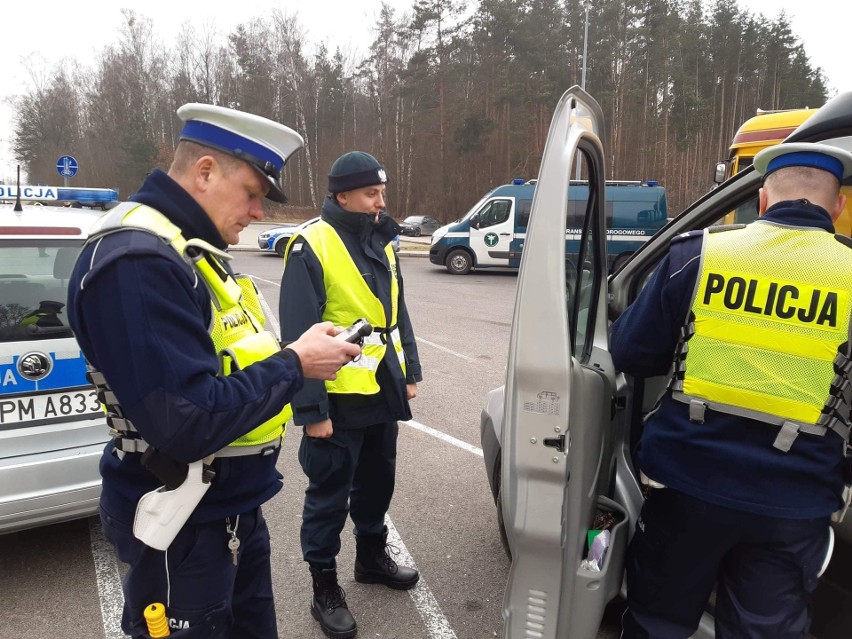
(721, 170)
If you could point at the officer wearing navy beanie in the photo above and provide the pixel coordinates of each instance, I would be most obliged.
(341, 269)
(744, 457)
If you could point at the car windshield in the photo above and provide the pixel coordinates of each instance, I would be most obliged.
(33, 289)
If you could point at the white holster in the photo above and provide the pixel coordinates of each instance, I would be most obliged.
(161, 513)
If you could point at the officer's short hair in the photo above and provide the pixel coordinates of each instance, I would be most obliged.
(188, 153)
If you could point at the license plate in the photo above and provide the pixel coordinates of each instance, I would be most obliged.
(47, 408)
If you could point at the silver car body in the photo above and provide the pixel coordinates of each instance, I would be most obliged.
(557, 438)
(52, 429)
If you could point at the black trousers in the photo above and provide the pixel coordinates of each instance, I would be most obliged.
(764, 569)
(353, 471)
(206, 596)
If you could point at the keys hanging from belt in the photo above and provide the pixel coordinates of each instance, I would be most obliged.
(233, 542)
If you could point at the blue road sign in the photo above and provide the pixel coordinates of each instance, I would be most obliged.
(67, 166)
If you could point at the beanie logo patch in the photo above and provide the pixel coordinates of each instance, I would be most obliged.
(382, 175)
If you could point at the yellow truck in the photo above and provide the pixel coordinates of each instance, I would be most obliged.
(766, 129)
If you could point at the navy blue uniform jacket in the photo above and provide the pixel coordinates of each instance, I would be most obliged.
(727, 460)
(141, 317)
(303, 298)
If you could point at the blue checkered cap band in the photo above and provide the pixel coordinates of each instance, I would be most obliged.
(825, 157)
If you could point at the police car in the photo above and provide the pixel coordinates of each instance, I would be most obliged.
(275, 240)
(52, 429)
(558, 438)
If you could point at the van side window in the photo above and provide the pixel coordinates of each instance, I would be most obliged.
(523, 215)
(494, 212)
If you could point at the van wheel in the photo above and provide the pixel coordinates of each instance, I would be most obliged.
(459, 262)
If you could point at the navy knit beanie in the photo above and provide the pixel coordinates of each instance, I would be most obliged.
(354, 170)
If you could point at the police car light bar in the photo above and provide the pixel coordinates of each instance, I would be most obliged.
(59, 194)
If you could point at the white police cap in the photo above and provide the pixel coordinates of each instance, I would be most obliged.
(262, 143)
(829, 158)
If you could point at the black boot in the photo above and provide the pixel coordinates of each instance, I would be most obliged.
(374, 565)
(328, 605)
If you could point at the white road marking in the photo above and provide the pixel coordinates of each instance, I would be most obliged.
(445, 349)
(270, 318)
(437, 626)
(109, 583)
(447, 438)
(260, 279)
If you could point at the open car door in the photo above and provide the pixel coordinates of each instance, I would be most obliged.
(558, 460)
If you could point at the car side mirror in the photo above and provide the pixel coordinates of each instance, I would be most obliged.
(721, 170)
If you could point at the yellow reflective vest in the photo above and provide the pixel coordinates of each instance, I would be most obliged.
(348, 298)
(770, 312)
(237, 319)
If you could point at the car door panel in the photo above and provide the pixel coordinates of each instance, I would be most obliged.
(556, 440)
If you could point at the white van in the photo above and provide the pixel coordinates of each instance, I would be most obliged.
(492, 233)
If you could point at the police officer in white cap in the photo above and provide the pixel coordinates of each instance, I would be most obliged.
(341, 269)
(744, 457)
(194, 387)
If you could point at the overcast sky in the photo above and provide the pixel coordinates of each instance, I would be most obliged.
(75, 30)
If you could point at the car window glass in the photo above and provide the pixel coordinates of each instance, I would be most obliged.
(33, 290)
(585, 277)
(744, 213)
(583, 271)
(523, 218)
(495, 212)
